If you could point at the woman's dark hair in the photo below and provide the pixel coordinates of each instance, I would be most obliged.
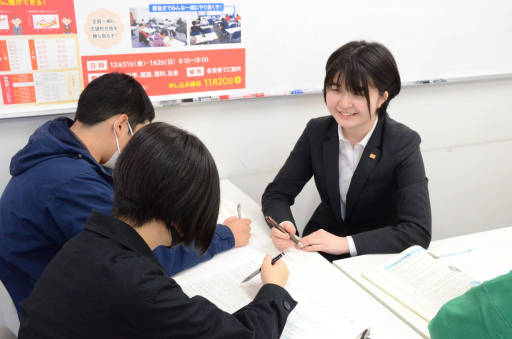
(358, 64)
(111, 94)
(167, 174)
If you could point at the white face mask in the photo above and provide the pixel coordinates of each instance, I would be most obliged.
(113, 159)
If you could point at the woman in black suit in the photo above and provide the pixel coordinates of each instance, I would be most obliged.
(367, 167)
(106, 281)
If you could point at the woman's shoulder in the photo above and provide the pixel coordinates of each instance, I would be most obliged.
(395, 130)
(321, 125)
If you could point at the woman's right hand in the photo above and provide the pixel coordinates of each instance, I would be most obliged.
(274, 274)
(281, 240)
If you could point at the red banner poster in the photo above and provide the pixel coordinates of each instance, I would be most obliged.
(174, 72)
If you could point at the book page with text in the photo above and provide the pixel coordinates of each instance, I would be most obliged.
(419, 281)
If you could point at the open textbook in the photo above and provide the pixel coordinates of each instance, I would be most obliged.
(420, 281)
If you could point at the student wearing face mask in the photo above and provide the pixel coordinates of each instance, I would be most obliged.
(64, 172)
(367, 167)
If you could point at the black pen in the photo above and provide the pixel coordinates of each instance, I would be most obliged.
(273, 223)
(258, 271)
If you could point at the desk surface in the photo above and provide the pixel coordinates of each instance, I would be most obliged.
(206, 38)
(336, 293)
(494, 244)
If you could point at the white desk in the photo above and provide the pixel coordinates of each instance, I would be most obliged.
(337, 294)
(204, 39)
(233, 30)
(493, 244)
(176, 43)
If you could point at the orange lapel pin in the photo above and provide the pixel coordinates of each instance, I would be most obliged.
(372, 156)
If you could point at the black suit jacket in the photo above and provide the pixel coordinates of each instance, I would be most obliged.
(387, 206)
(106, 283)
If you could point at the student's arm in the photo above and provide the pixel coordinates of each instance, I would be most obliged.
(162, 310)
(280, 194)
(179, 258)
(413, 210)
(76, 199)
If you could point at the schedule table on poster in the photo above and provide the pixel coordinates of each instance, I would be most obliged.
(483, 255)
(330, 305)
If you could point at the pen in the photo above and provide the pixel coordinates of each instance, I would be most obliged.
(258, 271)
(239, 210)
(273, 223)
(364, 335)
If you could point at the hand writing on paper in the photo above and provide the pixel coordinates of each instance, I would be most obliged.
(274, 274)
(323, 241)
(281, 240)
(241, 229)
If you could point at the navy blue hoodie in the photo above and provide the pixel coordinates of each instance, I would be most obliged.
(55, 185)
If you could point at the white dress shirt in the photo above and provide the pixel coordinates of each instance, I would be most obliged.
(348, 159)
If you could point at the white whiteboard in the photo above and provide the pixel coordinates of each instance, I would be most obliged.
(288, 42)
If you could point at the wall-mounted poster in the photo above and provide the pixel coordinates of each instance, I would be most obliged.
(39, 55)
(173, 49)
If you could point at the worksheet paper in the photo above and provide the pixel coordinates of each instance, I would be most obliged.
(313, 317)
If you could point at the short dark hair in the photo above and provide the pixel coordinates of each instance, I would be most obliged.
(358, 64)
(167, 174)
(111, 94)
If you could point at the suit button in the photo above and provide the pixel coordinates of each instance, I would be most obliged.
(287, 306)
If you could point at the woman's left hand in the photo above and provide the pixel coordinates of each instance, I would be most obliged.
(323, 241)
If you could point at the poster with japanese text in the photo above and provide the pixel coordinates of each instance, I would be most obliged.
(51, 49)
(39, 55)
(175, 50)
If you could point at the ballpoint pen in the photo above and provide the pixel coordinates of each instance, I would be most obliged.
(293, 238)
(239, 210)
(258, 271)
(364, 335)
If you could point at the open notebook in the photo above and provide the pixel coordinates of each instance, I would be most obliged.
(420, 281)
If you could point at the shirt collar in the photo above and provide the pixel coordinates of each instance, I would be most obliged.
(366, 138)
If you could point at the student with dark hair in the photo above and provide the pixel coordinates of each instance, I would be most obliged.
(195, 29)
(367, 167)
(64, 172)
(106, 282)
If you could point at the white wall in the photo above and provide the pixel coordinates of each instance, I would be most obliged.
(466, 145)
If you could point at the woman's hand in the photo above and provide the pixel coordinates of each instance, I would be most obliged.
(282, 240)
(323, 241)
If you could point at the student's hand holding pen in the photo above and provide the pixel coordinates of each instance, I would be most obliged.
(274, 274)
(282, 240)
(241, 229)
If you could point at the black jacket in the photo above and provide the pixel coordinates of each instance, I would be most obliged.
(387, 207)
(106, 283)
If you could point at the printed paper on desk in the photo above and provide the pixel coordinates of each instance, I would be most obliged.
(311, 318)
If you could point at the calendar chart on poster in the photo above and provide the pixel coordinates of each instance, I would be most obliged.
(51, 49)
